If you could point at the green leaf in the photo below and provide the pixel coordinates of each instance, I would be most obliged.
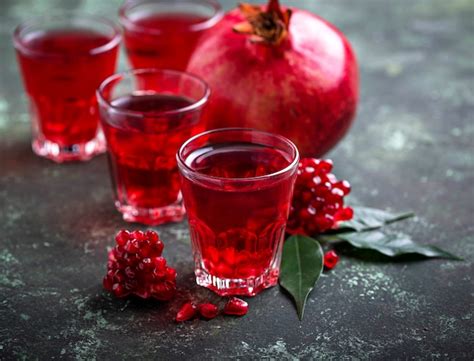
(393, 245)
(301, 266)
(366, 219)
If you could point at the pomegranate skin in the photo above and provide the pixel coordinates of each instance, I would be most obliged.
(305, 88)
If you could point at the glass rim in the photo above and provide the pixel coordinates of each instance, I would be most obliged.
(67, 16)
(183, 166)
(129, 73)
(128, 24)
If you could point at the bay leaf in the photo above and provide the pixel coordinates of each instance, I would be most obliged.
(366, 218)
(393, 245)
(301, 266)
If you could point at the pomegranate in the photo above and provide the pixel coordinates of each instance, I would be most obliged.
(294, 74)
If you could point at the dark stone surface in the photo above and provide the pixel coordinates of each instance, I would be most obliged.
(411, 148)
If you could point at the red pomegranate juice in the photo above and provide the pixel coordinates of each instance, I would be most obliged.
(142, 154)
(165, 40)
(237, 220)
(61, 70)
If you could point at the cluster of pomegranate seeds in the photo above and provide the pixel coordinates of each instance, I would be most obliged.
(330, 259)
(135, 266)
(318, 199)
(235, 307)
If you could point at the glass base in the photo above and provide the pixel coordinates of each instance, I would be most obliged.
(236, 286)
(75, 152)
(152, 216)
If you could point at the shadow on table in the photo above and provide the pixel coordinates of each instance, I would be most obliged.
(19, 156)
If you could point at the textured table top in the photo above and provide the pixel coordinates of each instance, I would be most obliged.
(411, 148)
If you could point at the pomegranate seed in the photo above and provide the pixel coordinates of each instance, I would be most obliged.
(158, 247)
(138, 235)
(170, 274)
(208, 310)
(122, 237)
(305, 213)
(331, 178)
(325, 165)
(344, 186)
(152, 236)
(317, 180)
(345, 214)
(187, 312)
(330, 259)
(159, 262)
(312, 162)
(145, 250)
(132, 246)
(337, 193)
(117, 252)
(236, 307)
(119, 290)
(324, 221)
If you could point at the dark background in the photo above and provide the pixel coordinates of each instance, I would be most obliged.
(411, 148)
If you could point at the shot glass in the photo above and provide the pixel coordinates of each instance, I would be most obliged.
(146, 115)
(163, 33)
(63, 59)
(237, 187)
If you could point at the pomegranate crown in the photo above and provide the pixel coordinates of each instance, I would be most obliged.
(264, 26)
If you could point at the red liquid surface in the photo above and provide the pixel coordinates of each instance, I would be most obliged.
(61, 76)
(142, 150)
(171, 48)
(237, 232)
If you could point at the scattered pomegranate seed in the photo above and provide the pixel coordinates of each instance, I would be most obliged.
(318, 200)
(236, 307)
(187, 312)
(122, 237)
(135, 266)
(330, 259)
(208, 310)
